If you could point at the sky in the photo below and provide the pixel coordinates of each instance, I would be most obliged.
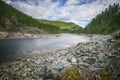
(80, 12)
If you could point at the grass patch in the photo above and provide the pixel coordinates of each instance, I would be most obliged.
(70, 74)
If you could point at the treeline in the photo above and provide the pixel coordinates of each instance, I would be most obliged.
(105, 23)
(12, 19)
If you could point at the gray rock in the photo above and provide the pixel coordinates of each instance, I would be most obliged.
(59, 66)
(97, 77)
(28, 70)
(82, 64)
(49, 75)
(96, 65)
(24, 74)
(44, 70)
(90, 60)
(87, 56)
(101, 57)
(113, 65)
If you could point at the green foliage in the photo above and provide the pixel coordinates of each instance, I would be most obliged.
(65, 27)
(12, 19)
(105, 23)
(70, 74)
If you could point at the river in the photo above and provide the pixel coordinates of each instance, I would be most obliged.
(11, 48)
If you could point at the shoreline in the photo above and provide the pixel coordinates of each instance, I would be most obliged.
(92, 60)
(18, 35)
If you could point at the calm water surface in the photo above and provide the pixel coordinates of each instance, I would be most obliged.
(11, 48)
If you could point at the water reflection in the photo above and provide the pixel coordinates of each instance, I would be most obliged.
(10, 48)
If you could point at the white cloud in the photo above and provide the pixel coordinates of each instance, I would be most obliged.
(72, 2)
(80, 23)
(42, 11)
(7, 1)
(71, 11)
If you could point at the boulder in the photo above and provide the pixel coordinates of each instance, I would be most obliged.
(113, 65)
(101, 57)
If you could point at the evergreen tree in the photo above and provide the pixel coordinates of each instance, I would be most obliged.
(106, 22)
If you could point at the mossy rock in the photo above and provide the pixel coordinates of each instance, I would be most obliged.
(107, 77)
(72, 75)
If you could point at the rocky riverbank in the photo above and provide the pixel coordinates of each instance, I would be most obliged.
(7, 35)
(98, 59)
(23, 33)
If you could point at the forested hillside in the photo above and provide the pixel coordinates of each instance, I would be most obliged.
(12, 19)
(64, 26)
(106, 22)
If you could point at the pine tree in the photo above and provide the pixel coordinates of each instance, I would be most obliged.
(106, 22)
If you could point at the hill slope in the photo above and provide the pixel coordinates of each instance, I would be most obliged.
(61, 24)
(106, 22)
(64, 26)
(12, 19)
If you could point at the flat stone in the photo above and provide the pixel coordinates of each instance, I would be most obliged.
(90, 60)
(85, 65)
